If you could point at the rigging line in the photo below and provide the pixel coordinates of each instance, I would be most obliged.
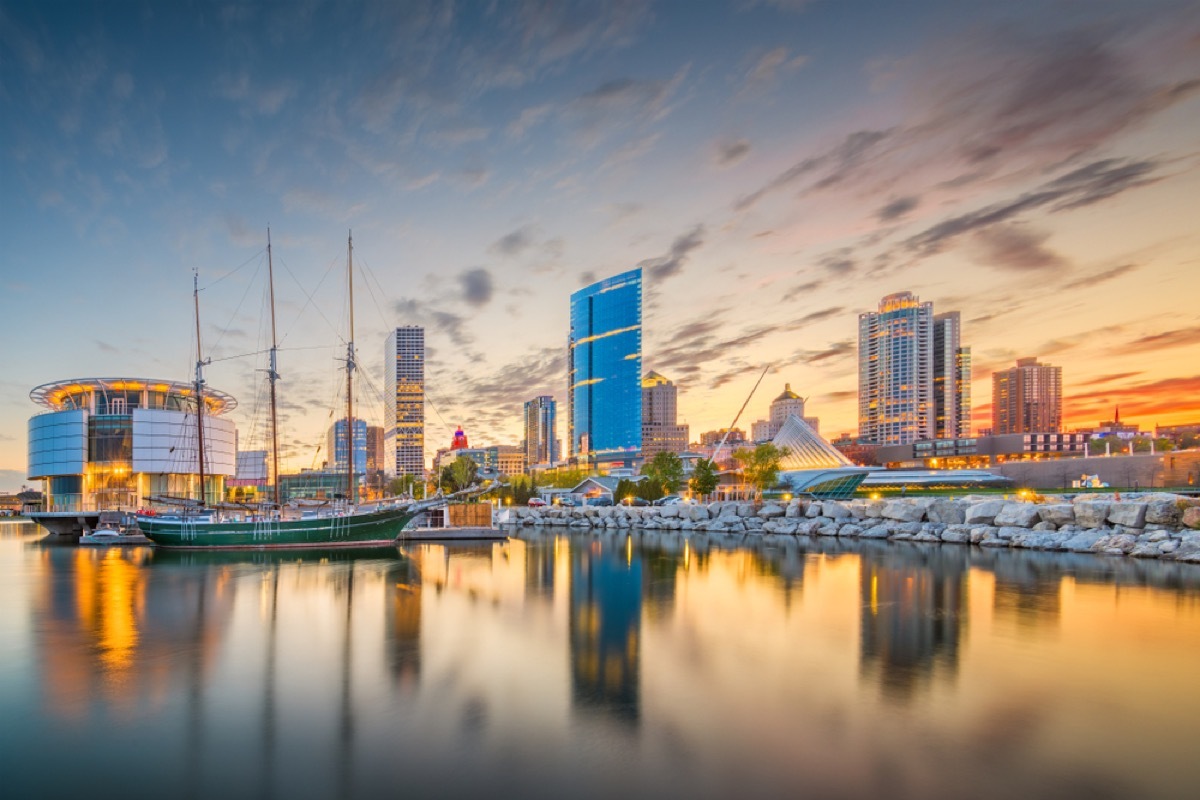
(231, 358)
(235, 269)
(216, 344)
(309, 300)
(312, 347)
(367, 278)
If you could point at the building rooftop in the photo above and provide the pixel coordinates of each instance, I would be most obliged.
(62, 395)
(788, 394)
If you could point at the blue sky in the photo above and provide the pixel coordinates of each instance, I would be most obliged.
(775, 167)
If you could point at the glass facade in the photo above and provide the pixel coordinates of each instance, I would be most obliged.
(541, 430)
(604, 370)
(404, 393)
(336, 445)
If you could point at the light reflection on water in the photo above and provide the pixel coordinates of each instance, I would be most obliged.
(596, 665)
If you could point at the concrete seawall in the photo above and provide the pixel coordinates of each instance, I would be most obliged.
(1161, 526)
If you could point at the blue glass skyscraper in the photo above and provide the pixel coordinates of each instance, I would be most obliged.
(336, 441)
(604, 369)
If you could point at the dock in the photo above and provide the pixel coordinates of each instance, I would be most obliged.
(451, 534)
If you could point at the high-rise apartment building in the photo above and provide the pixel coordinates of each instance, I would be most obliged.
(541, 431)
(951, 378)
(914, 375)
(375, 460)
(335, 446)
(404, 394)
(661, 431)
(1027, 398)
(604, 367)
(895, 371)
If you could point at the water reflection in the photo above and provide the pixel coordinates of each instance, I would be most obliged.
(624, 663)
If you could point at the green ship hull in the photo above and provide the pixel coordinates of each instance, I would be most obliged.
(351, 530)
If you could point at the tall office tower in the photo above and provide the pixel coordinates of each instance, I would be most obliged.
(951, 378)
(604, 368)
(541, 431)
(404, 393)
(661, 432)
(895, 371)
(1027, 398)
(375, 460)
(335, 446)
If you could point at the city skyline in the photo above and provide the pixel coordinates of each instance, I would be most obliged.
(774, 172)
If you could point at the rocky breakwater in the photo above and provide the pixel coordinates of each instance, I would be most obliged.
(1163, 526)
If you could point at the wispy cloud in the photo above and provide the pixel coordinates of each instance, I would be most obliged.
(671, 263)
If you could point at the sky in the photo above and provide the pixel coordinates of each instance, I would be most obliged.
(774, 167)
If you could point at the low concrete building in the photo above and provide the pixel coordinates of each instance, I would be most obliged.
(983, 452)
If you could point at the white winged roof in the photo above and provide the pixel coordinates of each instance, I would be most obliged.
(805, 447)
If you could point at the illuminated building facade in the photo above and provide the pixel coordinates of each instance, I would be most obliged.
(112, 443)
(404, 393)
(541, 431)
(604, 368)
(1027, 398)
(661, 431)
(951, 378)
(913, 373)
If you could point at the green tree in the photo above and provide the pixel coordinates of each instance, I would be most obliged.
(704, 478)
(625, 488)
(463, 472)
(666, 471)
(402, 484)
(564, 479)
(760, 466)
(649, 490)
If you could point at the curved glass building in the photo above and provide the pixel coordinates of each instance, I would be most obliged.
(112, 443)
(604, 371)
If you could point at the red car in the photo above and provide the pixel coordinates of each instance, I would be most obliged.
(536, 502)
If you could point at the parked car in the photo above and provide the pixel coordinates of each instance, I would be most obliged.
(536, 502)
(564, 501)
(601, 500)
(669, 500)
(634, 501)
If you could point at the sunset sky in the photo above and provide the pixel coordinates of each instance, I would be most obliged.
(775, 167)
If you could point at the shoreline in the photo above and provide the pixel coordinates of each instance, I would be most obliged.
(1147, 525)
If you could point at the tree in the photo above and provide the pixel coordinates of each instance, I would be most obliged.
(401, 485)
(649, 490)
(463, 472)
(665, 470)
(564, 479)
(760, 466)
(704, 478)
(625, 488)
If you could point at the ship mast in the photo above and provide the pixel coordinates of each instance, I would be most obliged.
(199, 386)
(273, 375)
(351, 497)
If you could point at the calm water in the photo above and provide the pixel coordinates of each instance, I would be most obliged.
(571, 665)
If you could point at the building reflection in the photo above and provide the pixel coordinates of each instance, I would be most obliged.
(402, 631)
(913, 615)
(605, 626)
(110, 625)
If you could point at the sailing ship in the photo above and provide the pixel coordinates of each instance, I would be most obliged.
(199, 526)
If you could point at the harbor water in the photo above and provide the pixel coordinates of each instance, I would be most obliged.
(579, 665)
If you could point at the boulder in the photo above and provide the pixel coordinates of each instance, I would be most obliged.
(771, 510)
(926, 535)
(699, 513)
(981, 532)
(1091, 513)
(814, 510)
(903, 511)
(857, 508)
(850, 530)
(670, 512)
(1163, 509)
(1037, 540)
(1045, 526)
(1145, 550)
(949, 512)
(1188, 548)
(794, 510)
(1021, 515)
(1191, 517)
(1082, 541)
(957, 533)
(1130, 515)
(874, 509)
(874, 532)
(995, 541)
(834, 510)
(983, 513)
(1058, 513)
(745, 509)
(1117, 544)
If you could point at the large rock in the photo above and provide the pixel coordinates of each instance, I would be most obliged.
(903, 511)
(1191, 517)
(875, 532)
(1021, 515)
(983, 513)
(1130, 515)
(1084, 540)
(670, 512)
(794, 510)
(834, 510)
(875, 508)
(1091, 513)
(958, 534)
(699, 513)
(813, 511)
(745, 509)
(1057, 513)
(1163, 509)
(1188, 549)
(1037, 540)
(1007, 532)
(771, 510)
(850, 530)
(948, 512)
(1117, 544)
